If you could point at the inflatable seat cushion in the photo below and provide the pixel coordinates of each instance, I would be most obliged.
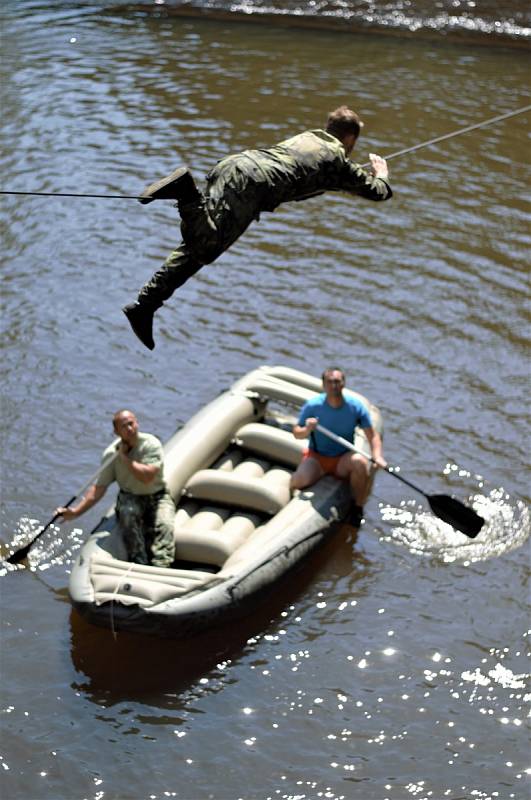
(268, 494)
(212, 546)
(121, 581)
(275, 444)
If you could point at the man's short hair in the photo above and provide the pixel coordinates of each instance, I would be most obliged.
(328, 370)
(343, 122)
(119, 413)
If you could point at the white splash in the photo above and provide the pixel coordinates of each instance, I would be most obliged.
(507, 526)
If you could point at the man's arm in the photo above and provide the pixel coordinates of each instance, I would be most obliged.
(93, 494)
(371, 184)
(142, 472)
(375, 441)
(303, 431)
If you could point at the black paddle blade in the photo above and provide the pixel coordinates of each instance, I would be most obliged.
(19, 555)
(456, 514)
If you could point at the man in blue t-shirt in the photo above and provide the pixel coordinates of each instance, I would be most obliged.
(341, 413)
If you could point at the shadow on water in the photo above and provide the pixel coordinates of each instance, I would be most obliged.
(120, 665)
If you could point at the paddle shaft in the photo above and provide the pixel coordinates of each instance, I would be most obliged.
(20, 555)
(350, 446)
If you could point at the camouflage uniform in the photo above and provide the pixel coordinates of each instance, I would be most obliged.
(241, 186)
(145, 511)
(146, 522)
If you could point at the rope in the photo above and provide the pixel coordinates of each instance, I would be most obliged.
(115, 592)
(64, 194)
(485, 122)
(398, 153)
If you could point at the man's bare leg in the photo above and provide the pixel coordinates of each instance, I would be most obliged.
(307, 473)
(358, 471)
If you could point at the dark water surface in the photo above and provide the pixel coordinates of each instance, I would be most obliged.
(396, 664)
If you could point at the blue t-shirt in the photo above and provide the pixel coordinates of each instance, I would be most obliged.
(342, 421)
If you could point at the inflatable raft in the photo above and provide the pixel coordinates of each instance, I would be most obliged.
(237, 528)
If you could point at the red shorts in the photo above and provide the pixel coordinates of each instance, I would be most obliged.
(328, 463)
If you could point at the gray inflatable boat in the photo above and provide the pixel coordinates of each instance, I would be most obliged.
(237, 528)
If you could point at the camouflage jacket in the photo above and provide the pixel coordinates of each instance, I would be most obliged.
(309, 164)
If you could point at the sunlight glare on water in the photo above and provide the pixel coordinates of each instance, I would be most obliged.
(56, 547)
(378, 669)
(507, 525)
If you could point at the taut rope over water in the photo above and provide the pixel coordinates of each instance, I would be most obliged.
(398, 153)
(437, 139)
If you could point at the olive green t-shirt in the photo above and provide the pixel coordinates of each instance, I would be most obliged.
(148, 450)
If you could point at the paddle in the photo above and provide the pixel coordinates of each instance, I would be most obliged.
(20, 555)
(447, 508)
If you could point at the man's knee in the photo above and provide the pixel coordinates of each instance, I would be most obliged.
(359, 459)
(353, 463)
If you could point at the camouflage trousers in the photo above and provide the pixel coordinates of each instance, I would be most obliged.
(146, 523)
(236, 190)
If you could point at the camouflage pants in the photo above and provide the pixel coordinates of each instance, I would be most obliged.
(235, 192)
(146, 523)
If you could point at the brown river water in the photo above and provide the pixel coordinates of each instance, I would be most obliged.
(396, 663)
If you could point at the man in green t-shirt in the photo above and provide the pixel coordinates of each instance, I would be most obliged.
(144, 507)
(240, 188)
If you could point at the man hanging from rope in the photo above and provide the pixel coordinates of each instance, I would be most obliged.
(239, 188)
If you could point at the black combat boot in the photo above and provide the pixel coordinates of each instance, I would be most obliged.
(140, 318)
(178, 186)
(178, 267)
